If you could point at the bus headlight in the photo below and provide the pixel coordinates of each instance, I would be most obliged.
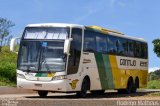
(59, 77)
(21, 76)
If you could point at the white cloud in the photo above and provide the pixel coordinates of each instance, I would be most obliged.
(152, 69)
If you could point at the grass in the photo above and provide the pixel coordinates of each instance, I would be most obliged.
(8, 62)
(154, 94)
(153, 84)
(5, 82)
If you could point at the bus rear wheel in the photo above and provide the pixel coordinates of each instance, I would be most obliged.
(121, 91)
(135, 86)
(85, 86)
(130, 87)
(42, 93)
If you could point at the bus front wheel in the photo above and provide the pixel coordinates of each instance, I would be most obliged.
(42, 93)
(85, 86)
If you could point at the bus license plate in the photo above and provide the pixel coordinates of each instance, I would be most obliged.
(38, 85)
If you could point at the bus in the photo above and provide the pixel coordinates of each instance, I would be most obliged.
(71, 58)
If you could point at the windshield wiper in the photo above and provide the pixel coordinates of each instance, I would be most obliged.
(46, 65)
(43, 60)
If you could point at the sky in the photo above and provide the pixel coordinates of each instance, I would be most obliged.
(138, 18)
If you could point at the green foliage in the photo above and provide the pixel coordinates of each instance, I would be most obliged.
(156, 44)
(153, 84)
(7, 66)
(4, 27)
(154, 75)
(154, 80)
(153, 94)
(5, 82)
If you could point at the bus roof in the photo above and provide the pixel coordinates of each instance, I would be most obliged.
(54, 25)
(114, 33)
(95, 28)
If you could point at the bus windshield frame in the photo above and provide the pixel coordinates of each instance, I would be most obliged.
(42, 55)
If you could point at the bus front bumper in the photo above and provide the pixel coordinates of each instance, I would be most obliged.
(56, 85)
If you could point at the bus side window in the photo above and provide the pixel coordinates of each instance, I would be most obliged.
(130, 48)
(137, 49)
(101, 43)
(122, 47)
(112, 46)
(75, 51)
(89, 41)
(144, 52)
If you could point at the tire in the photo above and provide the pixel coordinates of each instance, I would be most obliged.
(98, 92)
(42, 93)
(121, 91)
(135, 86)
(134, 89)
(129, 88)
(85, 86)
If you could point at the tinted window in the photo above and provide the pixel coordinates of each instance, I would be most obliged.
(130, 48)
(122, 47)
(89, 41)
(75, 51)
(112, 44)
(137, 49)
(77, 38)
(101, 42)
(144, 52)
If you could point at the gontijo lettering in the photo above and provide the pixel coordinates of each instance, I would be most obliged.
(127, 62)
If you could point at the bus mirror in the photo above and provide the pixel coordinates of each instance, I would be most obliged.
(67, 45)
(12, 44)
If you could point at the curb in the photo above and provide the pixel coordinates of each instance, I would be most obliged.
(14, 90)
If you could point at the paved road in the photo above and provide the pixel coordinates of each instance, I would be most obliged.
(111, 98)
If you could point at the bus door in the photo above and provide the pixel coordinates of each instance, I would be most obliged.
(75, 51)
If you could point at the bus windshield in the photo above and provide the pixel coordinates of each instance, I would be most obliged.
(41, 56)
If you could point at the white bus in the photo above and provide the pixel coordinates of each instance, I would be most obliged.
(56, 57)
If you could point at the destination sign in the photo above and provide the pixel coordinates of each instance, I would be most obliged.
(46, 33)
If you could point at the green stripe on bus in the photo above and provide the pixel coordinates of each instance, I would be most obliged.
(41, 75)
(108, 71)
(101, 70)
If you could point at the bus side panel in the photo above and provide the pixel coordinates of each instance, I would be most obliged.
(104, 70)
(105, 73)
(121, 74)
(143, 78)
(118, 75)
(87, 67)
(90, 68)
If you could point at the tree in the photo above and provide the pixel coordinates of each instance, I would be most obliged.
(5, 26)
(154, 75)
(156, 44)
(9, 39)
